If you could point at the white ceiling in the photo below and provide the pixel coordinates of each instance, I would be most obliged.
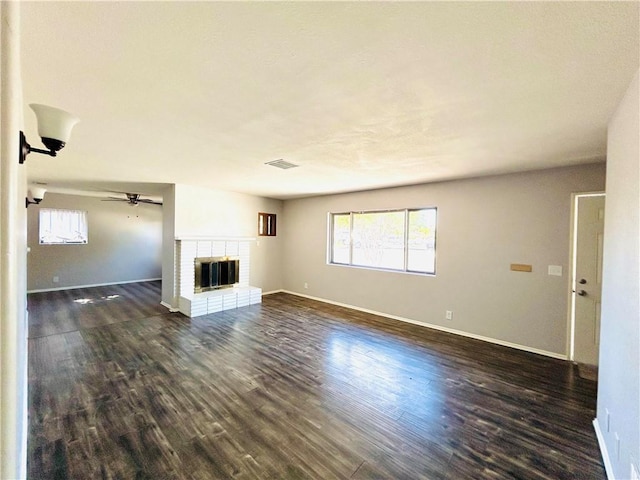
(360, 95)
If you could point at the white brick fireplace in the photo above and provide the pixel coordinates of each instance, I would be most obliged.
(196, 304)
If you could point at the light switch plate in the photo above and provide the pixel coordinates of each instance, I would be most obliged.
(555, 270)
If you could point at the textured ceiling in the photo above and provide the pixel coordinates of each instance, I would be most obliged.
(359, 95)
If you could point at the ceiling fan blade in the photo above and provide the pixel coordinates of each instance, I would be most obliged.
(113, 199)
(152, 202)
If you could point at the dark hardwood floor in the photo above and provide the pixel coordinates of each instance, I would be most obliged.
(290, 389)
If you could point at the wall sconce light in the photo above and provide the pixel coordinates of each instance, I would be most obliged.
(54, 128)
(37, 193)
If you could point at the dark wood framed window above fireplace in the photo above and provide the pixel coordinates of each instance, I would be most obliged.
(266, 224)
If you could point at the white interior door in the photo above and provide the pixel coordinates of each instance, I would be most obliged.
(587, 281)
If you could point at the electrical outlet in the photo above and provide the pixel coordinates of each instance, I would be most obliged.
(306, 285)
(56, 279)
(449, 314)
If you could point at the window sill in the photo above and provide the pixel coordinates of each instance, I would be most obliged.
(379, 269)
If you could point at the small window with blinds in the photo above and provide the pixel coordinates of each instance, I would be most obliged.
(63, 227)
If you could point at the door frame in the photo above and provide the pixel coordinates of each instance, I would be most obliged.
(573, 240)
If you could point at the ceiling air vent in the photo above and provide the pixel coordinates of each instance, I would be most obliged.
(281, 164)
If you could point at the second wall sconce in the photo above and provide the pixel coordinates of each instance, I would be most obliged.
(36, 193)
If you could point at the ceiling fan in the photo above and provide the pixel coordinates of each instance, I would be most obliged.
(132, 199)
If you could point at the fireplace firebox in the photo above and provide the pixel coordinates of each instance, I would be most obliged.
(212, 273)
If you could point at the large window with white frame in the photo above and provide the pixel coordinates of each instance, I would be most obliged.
(61, 227)
(402, 240)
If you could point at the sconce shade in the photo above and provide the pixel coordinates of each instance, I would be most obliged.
(54, 125)
(34, 195)
(37, 193)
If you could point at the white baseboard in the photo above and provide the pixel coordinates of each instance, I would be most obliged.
(438, 327)
(92, 285)
(603, 450)
(274, 291)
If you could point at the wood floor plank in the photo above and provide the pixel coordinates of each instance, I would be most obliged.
(289, 389)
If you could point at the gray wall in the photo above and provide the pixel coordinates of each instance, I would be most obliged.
(204, 212)
(124, 245)
(484, 225)
(619, 373)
